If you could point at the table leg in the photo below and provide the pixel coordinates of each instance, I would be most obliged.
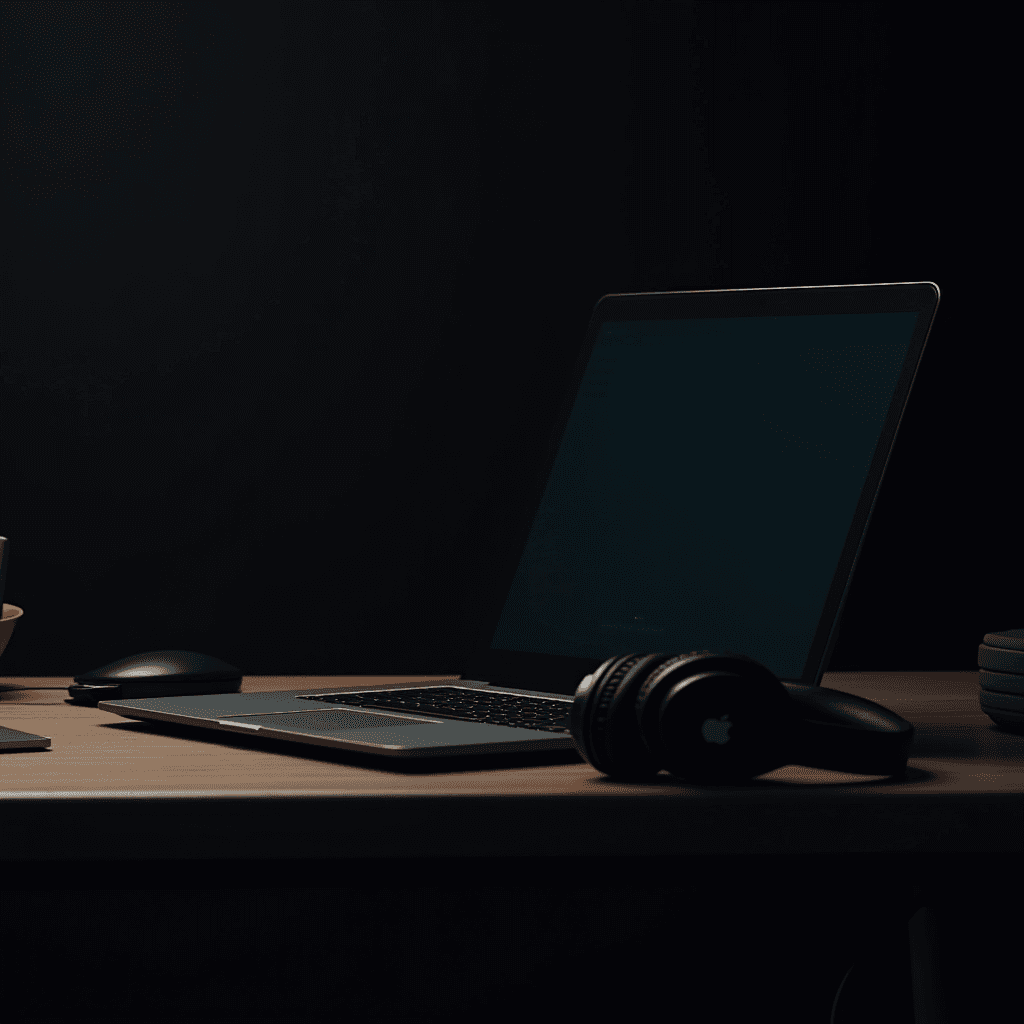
(931, 1003)
(966, 946)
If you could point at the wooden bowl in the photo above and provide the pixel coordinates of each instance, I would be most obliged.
(11, 615)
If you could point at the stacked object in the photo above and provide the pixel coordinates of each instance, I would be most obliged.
(1001, 674)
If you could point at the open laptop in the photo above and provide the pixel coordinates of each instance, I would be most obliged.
(709, 477)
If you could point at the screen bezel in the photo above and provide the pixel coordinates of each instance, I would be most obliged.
(562, 674)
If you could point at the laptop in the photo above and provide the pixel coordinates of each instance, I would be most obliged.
(706, 479)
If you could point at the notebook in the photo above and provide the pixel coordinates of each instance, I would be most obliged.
(708, 476)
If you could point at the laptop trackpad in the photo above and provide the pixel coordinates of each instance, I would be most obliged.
(323, 722)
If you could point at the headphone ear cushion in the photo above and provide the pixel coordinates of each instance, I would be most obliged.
(603, 720)
(716, 718)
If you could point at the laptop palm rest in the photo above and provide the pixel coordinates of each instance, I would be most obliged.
(213, 706)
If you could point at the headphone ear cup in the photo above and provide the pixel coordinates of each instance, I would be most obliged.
(603, 719)
(579, 711)
(716, 718)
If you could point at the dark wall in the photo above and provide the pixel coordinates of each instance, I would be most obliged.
(282, 284)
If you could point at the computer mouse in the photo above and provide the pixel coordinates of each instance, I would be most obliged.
(155, 674)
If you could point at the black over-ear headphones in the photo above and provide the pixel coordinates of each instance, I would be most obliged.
(719, 717)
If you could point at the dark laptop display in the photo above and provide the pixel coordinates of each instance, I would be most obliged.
(710, 479)
(705, 486)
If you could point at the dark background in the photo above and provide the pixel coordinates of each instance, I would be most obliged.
(282, 284)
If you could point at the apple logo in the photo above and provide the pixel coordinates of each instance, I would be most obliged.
(716, 730)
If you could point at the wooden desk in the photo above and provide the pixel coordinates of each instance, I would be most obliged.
(197, 794)
(185, 808)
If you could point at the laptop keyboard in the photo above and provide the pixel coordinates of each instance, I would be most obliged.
(465, 705)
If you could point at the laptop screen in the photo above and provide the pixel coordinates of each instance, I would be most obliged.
(705, 485)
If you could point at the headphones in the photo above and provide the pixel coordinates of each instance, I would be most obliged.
(724, 718)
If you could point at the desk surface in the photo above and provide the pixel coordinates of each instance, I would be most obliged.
(114, 788)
